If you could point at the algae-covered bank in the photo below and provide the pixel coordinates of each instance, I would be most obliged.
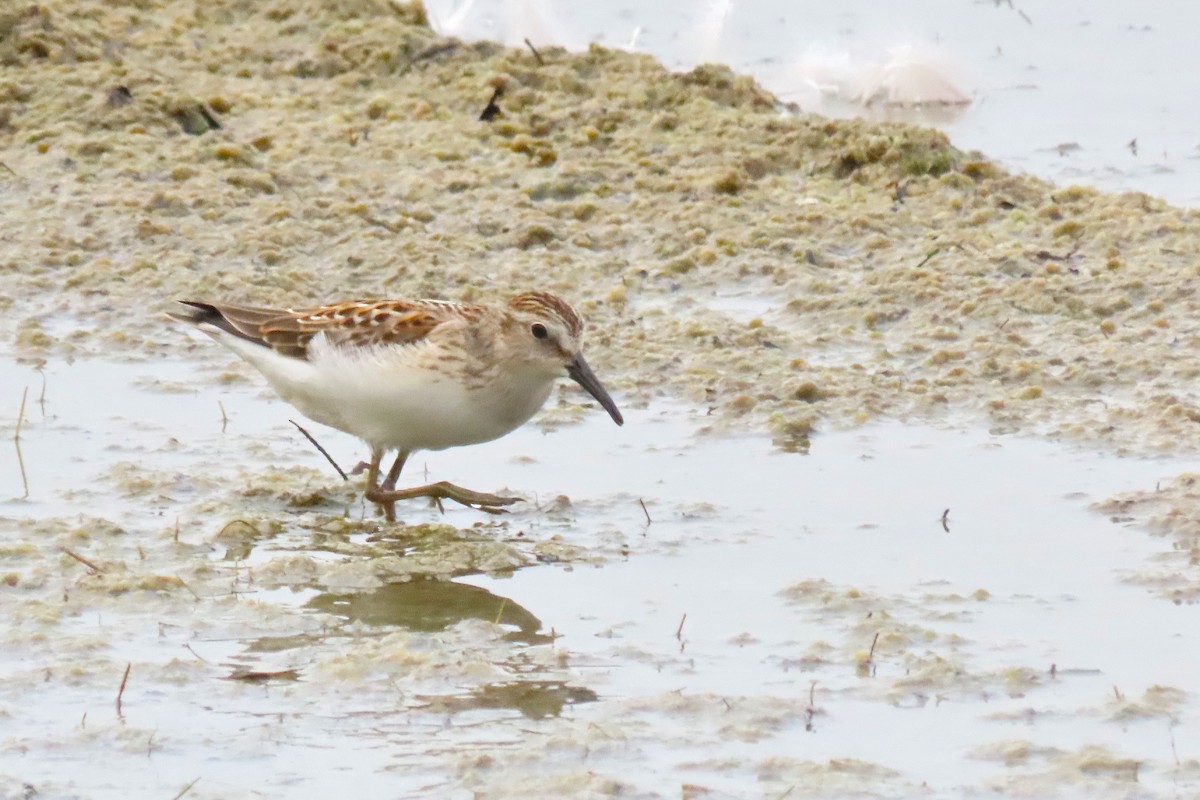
(191, 602)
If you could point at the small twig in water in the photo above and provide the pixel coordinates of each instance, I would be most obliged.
(946, 520)
(679, 630)
(183, 583)
(21, 415)
(320, 449)
(95, 570)
(871, 652)
(121, 691)
(812, 707)
(186, 789)
(225, 417)
(541, 61)
(644, 511)
(17, 443)
(928, 256)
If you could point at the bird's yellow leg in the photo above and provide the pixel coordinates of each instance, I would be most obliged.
(491, 503)
(374, 492)
(386, 494)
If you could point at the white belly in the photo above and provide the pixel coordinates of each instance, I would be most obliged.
(387, 398)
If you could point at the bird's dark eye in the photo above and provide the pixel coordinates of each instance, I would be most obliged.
(539, 331)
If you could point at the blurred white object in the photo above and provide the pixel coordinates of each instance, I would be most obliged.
(448, 19)
(910, 77)
(710, 31)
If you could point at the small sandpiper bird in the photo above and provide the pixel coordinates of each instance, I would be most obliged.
(411, 375)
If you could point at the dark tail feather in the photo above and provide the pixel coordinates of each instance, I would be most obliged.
(240, 321)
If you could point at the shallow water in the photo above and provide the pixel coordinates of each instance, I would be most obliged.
(1061, 89)
(282, 657)
(862, 512)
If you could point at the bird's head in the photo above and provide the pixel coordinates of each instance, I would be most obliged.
(549, 333)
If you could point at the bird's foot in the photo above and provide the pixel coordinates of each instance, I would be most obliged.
(442, 490)
(382, 498)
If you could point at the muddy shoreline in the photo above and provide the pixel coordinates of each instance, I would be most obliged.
(771, 272)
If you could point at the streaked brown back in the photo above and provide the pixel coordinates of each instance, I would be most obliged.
(354, 324)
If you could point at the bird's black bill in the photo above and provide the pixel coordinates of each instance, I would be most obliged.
(582, 374)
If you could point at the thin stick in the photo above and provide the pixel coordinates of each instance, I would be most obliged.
(21, 415)
(644, 511)
(121, 691)
(541, 61)
(42, 396)
(188, 647)
(183, 583)
(186, 789)
(500, 613)
(17, 444)
(95, 570)
(492, 109)
(871, 654)
(679, 630)
(225, 417)
(322, 450)
(434, 51)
